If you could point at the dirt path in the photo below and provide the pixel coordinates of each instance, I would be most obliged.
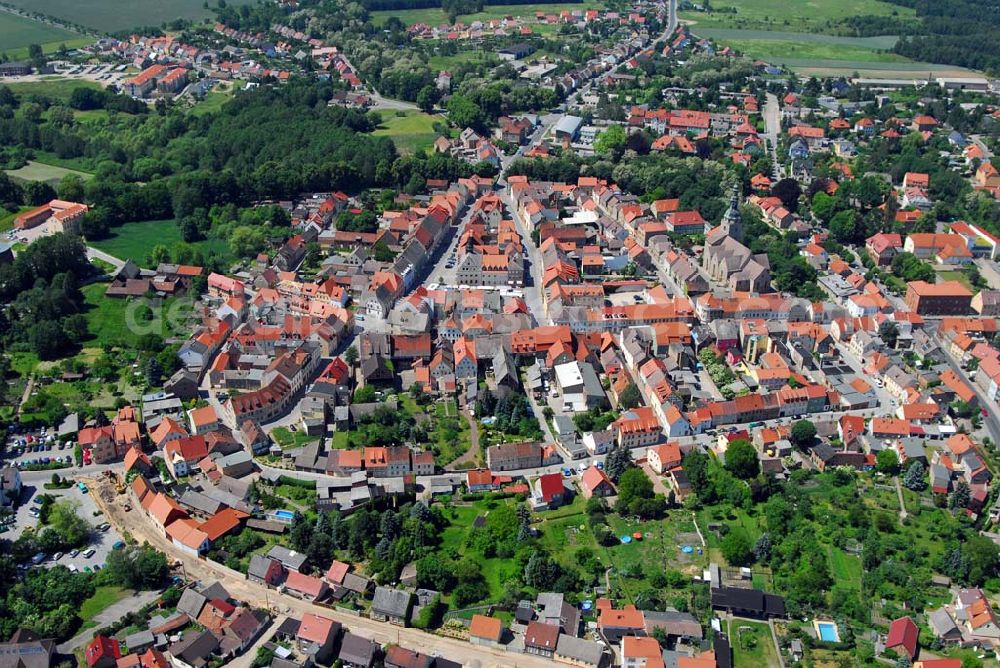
(27, 393)
(472, 454)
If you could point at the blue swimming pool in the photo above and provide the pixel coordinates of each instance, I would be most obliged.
(284, 515)
(827, 631)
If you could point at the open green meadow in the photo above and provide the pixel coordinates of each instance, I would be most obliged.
(114, 15)
(108, 319)
(134, 240)
(411, 131)
(17, 32)
(37, 171)
(780, 50)
(54, 87)
(792, 15)
(435, 16)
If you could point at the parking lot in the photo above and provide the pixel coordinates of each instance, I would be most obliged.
(34, 447)
(100, 541)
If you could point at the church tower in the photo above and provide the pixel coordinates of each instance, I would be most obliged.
(732, 222)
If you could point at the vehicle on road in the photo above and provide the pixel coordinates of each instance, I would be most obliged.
(88, 553)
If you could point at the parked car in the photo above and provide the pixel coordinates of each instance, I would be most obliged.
(88, 553)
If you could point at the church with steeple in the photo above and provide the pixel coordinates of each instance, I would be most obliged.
(728, 261)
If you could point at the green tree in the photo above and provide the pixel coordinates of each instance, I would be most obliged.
(617, 461)
(465, 113)
(823, 206)
(633, 484)
(65, 520)
(803, 434)
(630, 397)
(914, 478)
(736, 549)
(610, 141)
(887, 461)
(843, 227)
(137, 567)
(741, 459)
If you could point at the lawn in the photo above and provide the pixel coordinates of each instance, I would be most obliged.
(792, 15)
(17, 32)
(751, 642)
(845, 568)
(411, 131)
(213, 100)
(291, 439)
(953, 275)
(135, 240)
(114, 15)
(122, 321)
(434, 16)
(102, 598)
(52, 87)
(37, 171)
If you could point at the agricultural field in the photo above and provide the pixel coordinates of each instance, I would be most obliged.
(17, 32)
(112, 15)
(433, 16)
(411, 131)
(790, 16)
(135, 240)
(38, 171)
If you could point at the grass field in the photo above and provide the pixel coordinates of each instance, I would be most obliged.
(17, 32)
(450, 62)
(433, 16)
(113, 15)
(781, 50)
(411, 131)
(791, 15)
(213, 101)
(37, 171)
(102, 598)
(110, 321)
(134, 240)
(53, 87)
(752, 645)
(846, 568)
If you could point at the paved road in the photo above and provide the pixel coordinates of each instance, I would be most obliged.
(112, 613)
(991, 422)
(93, 253)
(143, 530)
(772, 122)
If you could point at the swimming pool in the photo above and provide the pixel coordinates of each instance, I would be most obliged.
(284, 515)
(827, 631)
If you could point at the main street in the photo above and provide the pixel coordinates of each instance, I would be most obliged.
(772, 123)
(142, 529)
